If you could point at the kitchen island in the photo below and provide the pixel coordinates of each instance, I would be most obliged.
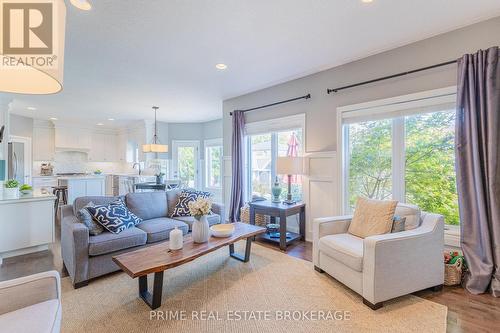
(81, 186)
(27, 224)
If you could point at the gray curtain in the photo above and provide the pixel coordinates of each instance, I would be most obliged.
(478, 168)
(237, 166)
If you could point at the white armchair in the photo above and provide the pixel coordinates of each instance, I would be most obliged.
(31, 304)
(381, 267)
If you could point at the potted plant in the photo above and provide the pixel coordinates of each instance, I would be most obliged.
(199, 209)
(159, 178)
(11, 189)
(26, 189)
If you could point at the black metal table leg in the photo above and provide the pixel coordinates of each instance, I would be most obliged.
(154, 299)
(238, 256)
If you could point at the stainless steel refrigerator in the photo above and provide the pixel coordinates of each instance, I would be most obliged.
(16, 161)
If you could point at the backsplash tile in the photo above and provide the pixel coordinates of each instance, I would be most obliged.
(77, 162)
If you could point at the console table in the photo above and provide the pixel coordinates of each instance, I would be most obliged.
(282, 211)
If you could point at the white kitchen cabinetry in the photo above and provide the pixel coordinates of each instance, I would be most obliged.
(73, 138)
(121, 147)
(44, 183)
(104, 148)
(27, 225)
(83, 186)
(43, 144)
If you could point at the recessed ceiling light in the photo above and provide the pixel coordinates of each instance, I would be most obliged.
(52, 118)
(111, 119)
(366, 1)
(99, 124)
(221, 66)
(81, 4)
(32, 108)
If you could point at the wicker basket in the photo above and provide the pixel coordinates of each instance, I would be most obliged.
(453, 273)
(260, 220)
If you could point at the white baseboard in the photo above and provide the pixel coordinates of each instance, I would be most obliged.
(21, 252)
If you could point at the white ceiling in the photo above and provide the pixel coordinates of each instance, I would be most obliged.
(124, 56)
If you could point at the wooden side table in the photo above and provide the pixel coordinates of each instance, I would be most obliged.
(282, 211)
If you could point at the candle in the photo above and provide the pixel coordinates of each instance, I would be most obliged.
(176, 240)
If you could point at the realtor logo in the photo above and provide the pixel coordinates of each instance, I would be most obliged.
(27, 28)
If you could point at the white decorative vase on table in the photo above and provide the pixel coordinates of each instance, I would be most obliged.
(200, 229)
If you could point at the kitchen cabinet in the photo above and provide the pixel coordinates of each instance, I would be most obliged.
(121, 147)
(27, 224)
(103, 148)
(43, 144)
(83, 186)
(73, 138)
(44, 183)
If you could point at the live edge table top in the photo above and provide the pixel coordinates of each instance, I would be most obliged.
(158, 258)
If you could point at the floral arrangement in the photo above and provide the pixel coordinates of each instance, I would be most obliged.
(200, 207)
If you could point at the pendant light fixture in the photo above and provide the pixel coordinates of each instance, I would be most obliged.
(155, 146)
(81, 4)
(36, 67)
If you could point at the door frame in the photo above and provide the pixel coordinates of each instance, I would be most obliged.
(175, 163)
(28, 157)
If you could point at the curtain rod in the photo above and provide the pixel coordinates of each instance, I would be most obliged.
(273, 104)
(329, 91)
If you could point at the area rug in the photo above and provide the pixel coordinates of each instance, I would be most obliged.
(215, 293)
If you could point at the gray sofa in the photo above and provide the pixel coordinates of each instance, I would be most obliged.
(86, 257)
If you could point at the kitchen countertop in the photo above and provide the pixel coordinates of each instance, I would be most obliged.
(83, 177)
(130, 175)
(35, 196)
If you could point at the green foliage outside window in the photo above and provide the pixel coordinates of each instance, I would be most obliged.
(430, 180)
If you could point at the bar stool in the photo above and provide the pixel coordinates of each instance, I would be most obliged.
(61, 193)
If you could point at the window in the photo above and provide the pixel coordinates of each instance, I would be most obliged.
(403, 152)
(263, 150)
(213, 163)
(430, 179)
(370, 160)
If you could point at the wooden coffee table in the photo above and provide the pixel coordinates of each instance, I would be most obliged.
(158, 258)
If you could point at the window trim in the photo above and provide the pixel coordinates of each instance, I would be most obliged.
(382, 106)
(209, 143)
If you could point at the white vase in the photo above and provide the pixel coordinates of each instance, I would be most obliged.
(11, 193)
(201, 230)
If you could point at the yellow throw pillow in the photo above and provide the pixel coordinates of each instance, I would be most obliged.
(372, 217)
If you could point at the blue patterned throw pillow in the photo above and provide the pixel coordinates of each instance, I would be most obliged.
(115, 217)
(185, 197)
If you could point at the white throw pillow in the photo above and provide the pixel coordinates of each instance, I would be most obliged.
(372, 217)
(412, 214)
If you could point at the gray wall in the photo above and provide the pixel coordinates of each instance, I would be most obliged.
(212, 129)
(21, 126)
(167, 132)
(320, 110)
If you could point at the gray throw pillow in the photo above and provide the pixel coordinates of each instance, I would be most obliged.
(398, 224)
(86, 218)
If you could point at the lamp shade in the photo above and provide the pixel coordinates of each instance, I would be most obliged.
(290, 165)
(32, 59)
(154, 148)
(81, 4)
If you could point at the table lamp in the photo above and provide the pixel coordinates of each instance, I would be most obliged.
(290, 166)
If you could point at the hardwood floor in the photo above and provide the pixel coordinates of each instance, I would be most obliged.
(466, 312)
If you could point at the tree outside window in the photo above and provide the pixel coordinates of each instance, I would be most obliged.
(214, 164)
(428, 179)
